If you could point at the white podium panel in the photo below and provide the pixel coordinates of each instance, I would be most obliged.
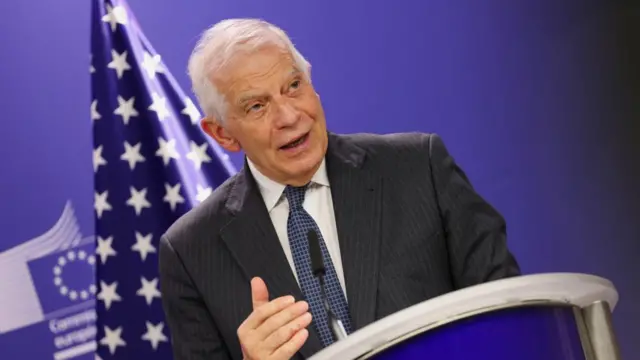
(575, 305)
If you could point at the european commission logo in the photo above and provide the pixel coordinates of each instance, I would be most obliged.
(47, 276)
(49, 282)
(67, 262)
(65, 278)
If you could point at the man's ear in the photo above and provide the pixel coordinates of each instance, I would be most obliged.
(213, 128)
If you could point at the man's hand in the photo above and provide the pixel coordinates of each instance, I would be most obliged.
(276, 329)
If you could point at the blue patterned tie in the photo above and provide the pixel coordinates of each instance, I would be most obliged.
(298, 225)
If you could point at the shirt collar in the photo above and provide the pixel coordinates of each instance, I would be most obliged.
(272, 190)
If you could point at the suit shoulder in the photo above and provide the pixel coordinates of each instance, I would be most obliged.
(393, 143)
(206, 217)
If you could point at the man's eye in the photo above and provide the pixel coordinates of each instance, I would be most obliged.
(254, 107)
(295, 84)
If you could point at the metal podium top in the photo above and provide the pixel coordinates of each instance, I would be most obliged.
(574, 289)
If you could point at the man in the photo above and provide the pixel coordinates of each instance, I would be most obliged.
(397, 221)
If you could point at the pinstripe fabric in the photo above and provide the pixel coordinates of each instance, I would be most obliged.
(410, 227)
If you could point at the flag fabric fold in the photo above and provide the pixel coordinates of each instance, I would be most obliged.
(151, 163)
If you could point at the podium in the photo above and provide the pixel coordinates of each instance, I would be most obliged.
(558, 316)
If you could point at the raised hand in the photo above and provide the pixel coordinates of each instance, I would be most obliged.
(276, 329)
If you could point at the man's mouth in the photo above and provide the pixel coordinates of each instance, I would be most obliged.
(295, 143)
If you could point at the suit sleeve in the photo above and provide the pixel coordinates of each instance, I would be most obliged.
(476, 232)
(193, 331)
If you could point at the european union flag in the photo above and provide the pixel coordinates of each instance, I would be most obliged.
(152, 163)
(65, 276)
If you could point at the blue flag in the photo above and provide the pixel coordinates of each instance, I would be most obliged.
(152, 163)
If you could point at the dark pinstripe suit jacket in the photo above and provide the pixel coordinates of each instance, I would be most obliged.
(410, 227)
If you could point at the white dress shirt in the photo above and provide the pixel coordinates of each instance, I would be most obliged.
(317, 202)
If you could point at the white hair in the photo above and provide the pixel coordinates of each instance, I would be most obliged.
(219, 43)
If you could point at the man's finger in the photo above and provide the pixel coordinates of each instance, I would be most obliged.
(265, 311)
(281, 319)
(288, 349)
(286, 332)
(259, 292)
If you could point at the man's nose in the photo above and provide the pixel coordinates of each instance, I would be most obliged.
(287, 114)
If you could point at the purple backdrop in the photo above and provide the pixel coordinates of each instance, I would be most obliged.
(534, 99)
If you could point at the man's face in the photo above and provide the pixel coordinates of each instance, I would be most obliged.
(273, 114)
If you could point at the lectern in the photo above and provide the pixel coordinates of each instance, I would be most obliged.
(560, 316)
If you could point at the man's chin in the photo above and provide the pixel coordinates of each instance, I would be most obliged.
(301, 171)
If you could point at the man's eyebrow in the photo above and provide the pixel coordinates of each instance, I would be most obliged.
(252, 95)
(245, 98)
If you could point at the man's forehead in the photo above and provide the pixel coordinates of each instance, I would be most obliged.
(248, 83)
(247, 63)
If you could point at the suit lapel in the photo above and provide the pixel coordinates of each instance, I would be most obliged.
(357, 200)
(251, 238)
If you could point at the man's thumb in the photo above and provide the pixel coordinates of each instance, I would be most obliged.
(259, 292)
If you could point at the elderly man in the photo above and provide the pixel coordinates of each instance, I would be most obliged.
(396, 219)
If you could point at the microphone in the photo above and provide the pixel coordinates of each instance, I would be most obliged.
(317, 266)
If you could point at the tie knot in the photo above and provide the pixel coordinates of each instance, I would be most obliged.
(295, 195)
